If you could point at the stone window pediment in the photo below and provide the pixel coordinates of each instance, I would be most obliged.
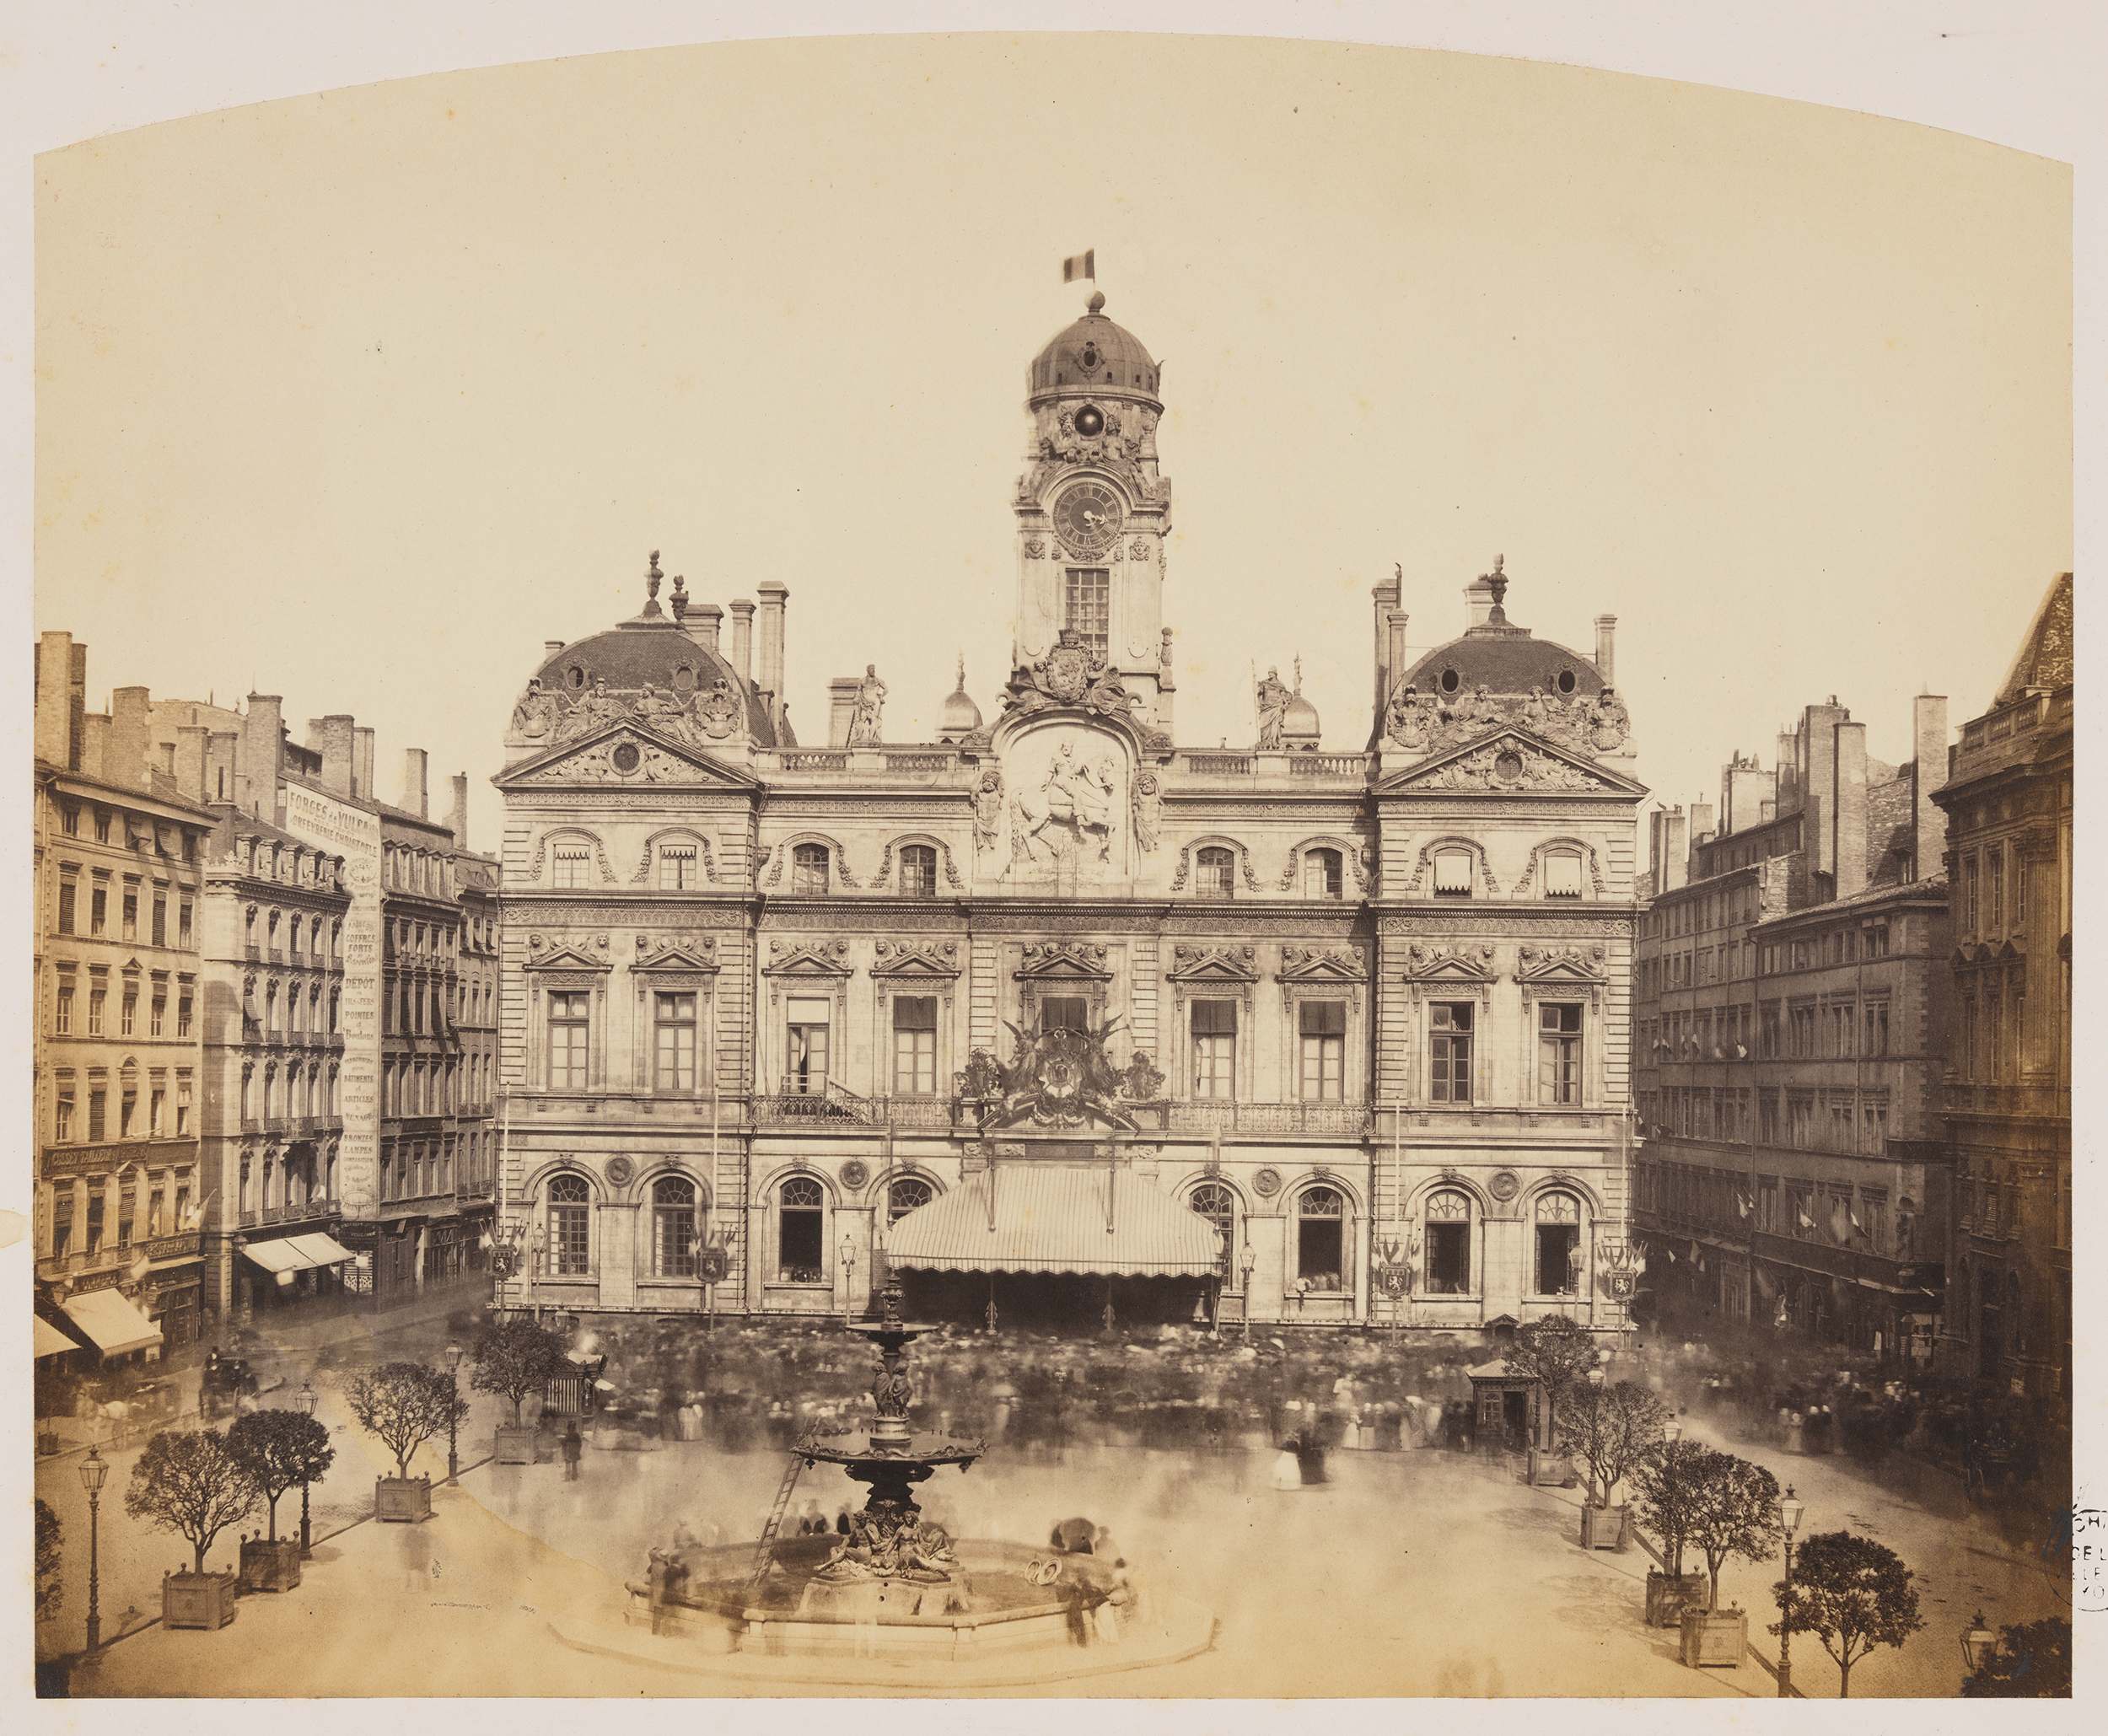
(900, 960)
(662, 955)
(544, 953)
(1205, 967)
(1438, 970)
(1056, 961)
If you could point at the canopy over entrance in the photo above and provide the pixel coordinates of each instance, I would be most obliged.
(292, 1254)
(49, 1341)
(111, 1321)
(1053, 1218)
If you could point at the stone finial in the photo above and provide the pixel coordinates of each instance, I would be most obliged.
(652, 576)
(1096, 304)
(1498, 580)
(679, 599)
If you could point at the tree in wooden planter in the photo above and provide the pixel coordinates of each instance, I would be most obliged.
(405, 1405)
(1852, 1594)
(1559, 1353)
(191, 1484)
(515, 1360)
(279, 1449)
(1666, 1481)
(1610, 1430)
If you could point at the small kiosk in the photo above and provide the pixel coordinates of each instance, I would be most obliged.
(1512, 1417)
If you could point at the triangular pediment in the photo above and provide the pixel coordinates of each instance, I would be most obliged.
(1541, 965)
(1199, 964)
(565, 958)
(1471, 964)
(921, 965)
(1299, 966)
(678, 955)
(623, 754)
(1055, 963)
(1507, 760)
(807, 963)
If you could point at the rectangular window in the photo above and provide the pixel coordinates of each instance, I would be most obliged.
(1969, 906)
(1214, 1049)
(1968, 1035)
(1563, 874)
(155, 1101)
(67, 892)
(1065, 1013)
(914, 1045)
(63, 1016)
(1559, 1054)
(1995, 900)
(69, 818)
(1453, 874)
(96, 999)
(1449, 1052)
(98, 1098)
(1089, 612)
(183, 1016)
(673, 1042)
(568, 864)
(157, 1015)
(131, 916)
(2019, 890)
(677, 868)
(62, 1112)
(98, 910)
(1321, 1026)
(1449, 1258)
(160, 922)
(182, 1104)
(568, 1029)
(807, 1053)
(808, 871)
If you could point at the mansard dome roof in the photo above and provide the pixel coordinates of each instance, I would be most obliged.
(653, 648)
(1505, 660)
(1094, 356)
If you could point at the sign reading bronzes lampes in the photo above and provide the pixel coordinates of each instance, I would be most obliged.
(350, 832)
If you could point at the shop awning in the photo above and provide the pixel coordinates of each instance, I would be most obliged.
(278, 1255)
(318, 1250)
(115, 1324)
(49, 1341)
(1054, 1219)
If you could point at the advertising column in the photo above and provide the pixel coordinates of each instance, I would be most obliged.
(330, 823)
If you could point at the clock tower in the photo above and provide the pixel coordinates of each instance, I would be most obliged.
(1092, 510)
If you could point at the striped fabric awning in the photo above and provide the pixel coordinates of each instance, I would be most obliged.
(1031, 1217)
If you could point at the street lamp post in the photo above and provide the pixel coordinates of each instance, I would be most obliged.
(848, 1276)
(453, 1354)
(1789, 1513)
(1246, 1263)
(93, 1469)
(306, 1401)
(1978, 1644)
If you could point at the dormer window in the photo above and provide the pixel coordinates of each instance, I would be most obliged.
(808, 871)
(1453, 874)
(1321, 875)
(1563, 873)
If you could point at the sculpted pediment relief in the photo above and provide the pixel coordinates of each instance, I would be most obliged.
(1322, 964)
(1510, 761)
(545, 953)
(1468, 967)
(625, 754)
(684, 954)
(900, 960)
(1198, 966)
(818, 960)
(1059, 961)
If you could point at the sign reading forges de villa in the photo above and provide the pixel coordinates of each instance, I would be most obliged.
(342, 829)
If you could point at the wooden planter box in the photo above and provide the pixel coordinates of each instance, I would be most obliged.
(202, 1600)
(1715, 1639)
(514, 1444)
(1603, 1527)
(402, 1500)
(1667, 1599)
(268, 1566)
(1549, 1467)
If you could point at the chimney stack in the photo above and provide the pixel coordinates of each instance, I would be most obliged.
(222, 766)
(1700, 821)
(126, 762)
(413, 790)
(1606, 649)
(743, 641)
(189, 761)
(1848, 846)
(1928, 825)
(1743, 789)
(55, 732)
(458, 819)
(335, 742)
(263, 733)
(1668, 835)
(1386, 601)
(702, 621)
(550, 647)
(1478, 602)
(363, 764)
(773, 593)
(1818, 770)
(94, 745)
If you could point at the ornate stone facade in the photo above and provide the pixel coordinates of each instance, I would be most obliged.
(1059, 938)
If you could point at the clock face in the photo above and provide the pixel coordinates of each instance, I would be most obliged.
(1089, 517)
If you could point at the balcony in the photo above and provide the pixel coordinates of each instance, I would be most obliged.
(160, 1250)
(418, 1206)
(1332, 1120)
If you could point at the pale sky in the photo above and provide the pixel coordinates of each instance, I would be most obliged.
(357, 398)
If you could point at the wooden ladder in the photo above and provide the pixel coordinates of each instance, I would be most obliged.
(774, 1523)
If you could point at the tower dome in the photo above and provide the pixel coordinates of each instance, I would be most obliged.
(960, 716)
(1096, 357)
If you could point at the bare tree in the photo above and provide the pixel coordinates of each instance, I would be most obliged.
(51, 1589)
(1559, 1352)
(1852, 1594)
(515, 1360)
(405, 1405)
(279, 1449)
(191, 1484)
(1610, 1429)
